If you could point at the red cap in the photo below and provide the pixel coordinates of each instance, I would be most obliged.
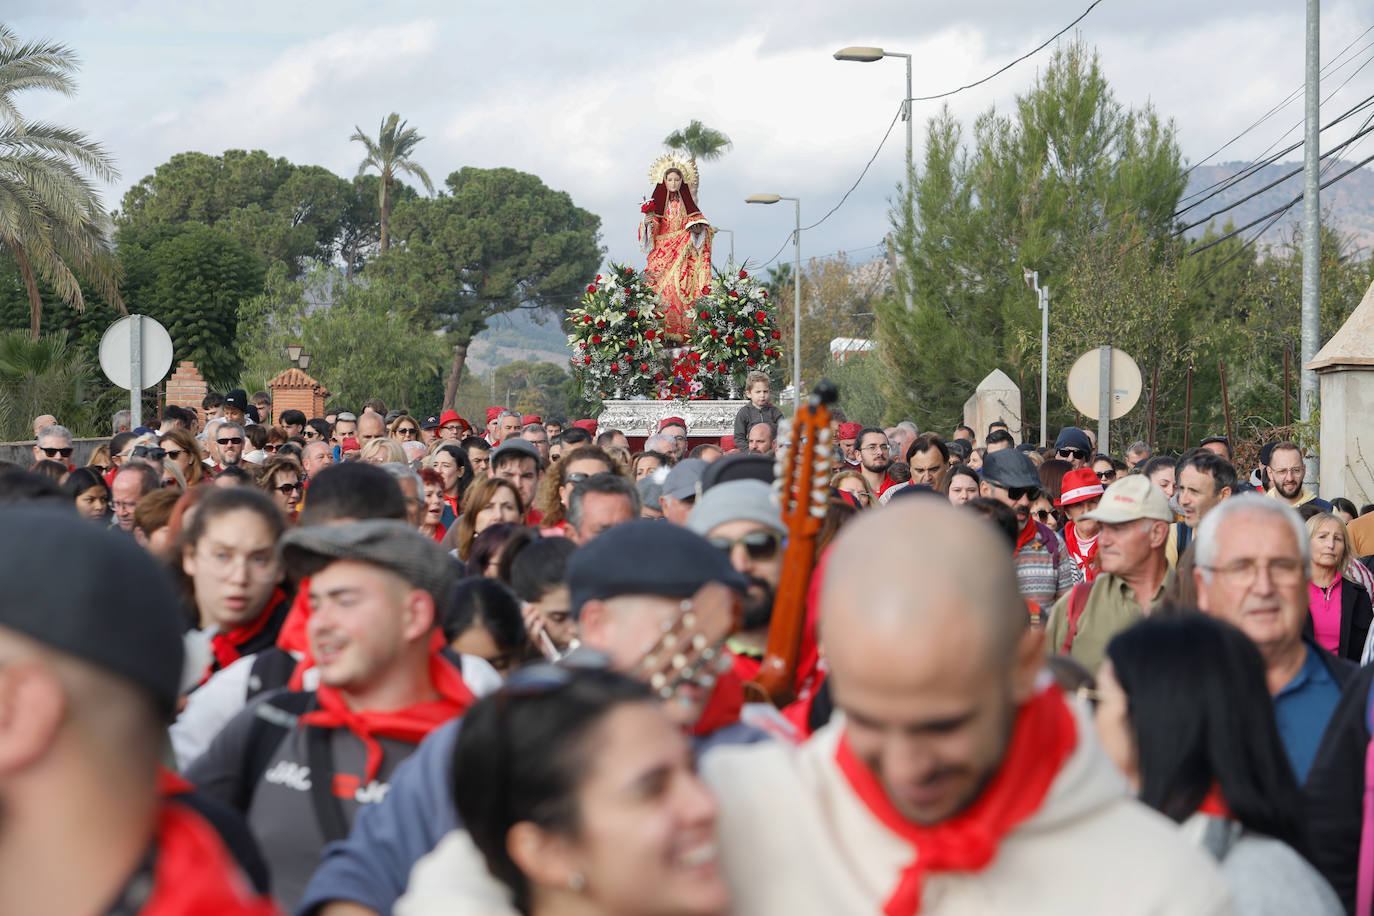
(531, 418)
(588, 425)
(849, 431)
(451, 416)
(1078, 485)
(727, 443)
(671, 421)
(494, 412)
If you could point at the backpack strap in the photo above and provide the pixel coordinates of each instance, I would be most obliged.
(272, 670)
(273, 718)
(328, 812)
(1078, 600)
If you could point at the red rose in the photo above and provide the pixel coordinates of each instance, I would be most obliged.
(704, 316)
(753, 346)
(721, 368)
(596, 338)
(658, 376)
(628, 294)
(729, 341)
(629, 272)
(710, 365)
(601, 324)
(777, 335)
(591, 288)
(647, 207)
(742, 275)
(632, 314)
(749, 333)
(586, 360)
(751, 360)
(760, 317)
(650, 334)
(715, 333)
(733, 294)
(630, 343)
(643, 367)
(765, 294)
(586, 319)
(615, 367)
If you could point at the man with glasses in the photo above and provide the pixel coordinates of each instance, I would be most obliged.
(229, 439)
(1044, 569)
(1133, 523)
(1074, 446)
(54, 443)
(675, 428)
(875, 457)
(133, 481)
(536, 434)
(1252, 559)
(740, 518)
(450, 426)
(1287, 472)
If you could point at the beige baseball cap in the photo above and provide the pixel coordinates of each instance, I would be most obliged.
(1130, 499)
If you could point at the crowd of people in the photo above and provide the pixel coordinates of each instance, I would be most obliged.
(369, 663)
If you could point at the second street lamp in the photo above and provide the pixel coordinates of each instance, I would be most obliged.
(866, 55)
(796, 286)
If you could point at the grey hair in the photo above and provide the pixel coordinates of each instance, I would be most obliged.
(120, 418)
(1138, 446)
(1246, 504)
(230, 424)
(507, 413)
(907, 424)
(403, 472)
(529, 426)
(660, 443)
(55, 430)
(608, 483)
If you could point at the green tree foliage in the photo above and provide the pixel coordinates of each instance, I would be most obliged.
(47, 375)
(52, 221)
(532, 388)
(498, 240)
(699, 142)
(192, 278)
(838, 300)
(1030, 191)
(360, 342)
(388, 155)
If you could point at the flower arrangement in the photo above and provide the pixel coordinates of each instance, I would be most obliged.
(734, 332)
(614, 335)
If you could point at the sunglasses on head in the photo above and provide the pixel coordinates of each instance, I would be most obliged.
(760, 545)
(149, 451)
(231, 441)
(56, 452)
(1076, 453)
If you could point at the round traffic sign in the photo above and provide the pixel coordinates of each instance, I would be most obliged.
(1085, 388)
(117, 352)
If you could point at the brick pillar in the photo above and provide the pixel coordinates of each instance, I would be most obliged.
(294, 390)
(186, 388)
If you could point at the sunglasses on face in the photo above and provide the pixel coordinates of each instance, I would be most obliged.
(1043, 515)
(1075, 453)
(1017, 493)
(55, 452)
(1106, 476)
(311, 434)
(286, 488)
(237, 440)
(760, 545)
(175, 453)
(170, 482)
(409, 432)
(148, 451)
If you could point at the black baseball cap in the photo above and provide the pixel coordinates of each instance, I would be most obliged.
(119, 613)
(430, 423)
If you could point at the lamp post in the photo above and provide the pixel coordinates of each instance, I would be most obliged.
(732, 245)
(869, 55)
(796, 287)
(1042, 298)
(297, 356)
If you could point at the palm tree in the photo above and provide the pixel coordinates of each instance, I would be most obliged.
(38, 376)
(51, 216)
(389, 154)
(699, 142)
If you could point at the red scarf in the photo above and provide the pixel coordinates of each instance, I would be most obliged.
(722, 706)
(1027, 534)
(1086, 561)
(226, 643)
(194, 875)
(410, 724)
(1042, 739)
(1215, 805)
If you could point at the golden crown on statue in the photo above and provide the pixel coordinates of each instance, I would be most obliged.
(673, 161)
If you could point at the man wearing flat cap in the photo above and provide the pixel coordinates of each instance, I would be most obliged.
(1044, 569)
(90, 667)
(624, 585)
(300, 765)
(1133, 520)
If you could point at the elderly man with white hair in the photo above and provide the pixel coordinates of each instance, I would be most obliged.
(54, 443)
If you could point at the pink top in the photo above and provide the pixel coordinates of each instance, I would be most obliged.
(1326, 615)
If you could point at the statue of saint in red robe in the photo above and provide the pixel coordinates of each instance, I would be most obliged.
(678, 241)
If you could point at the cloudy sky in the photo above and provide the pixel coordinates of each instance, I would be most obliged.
(582, 94)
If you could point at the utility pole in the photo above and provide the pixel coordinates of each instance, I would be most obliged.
(1311, 221)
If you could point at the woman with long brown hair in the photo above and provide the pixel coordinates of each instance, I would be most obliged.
(487, 502)
(183, 450)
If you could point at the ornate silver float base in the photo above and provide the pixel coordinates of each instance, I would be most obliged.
(638, 418)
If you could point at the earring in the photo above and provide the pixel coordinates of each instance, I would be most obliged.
(576, 882)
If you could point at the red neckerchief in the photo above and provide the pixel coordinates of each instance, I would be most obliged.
(193, 874)
(410, 724)
(1086, 563)
(1215, 804)
(722, 706)
(1042, 739)
(1027, 534)
(439, 532)
(452, 503)
(888, 484)
(226, 643)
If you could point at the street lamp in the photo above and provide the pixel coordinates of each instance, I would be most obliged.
(732, 244)
(796, 286)
(865, 55)
(293, 352)
(1042, 298)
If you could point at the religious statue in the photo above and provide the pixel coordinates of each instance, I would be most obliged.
(677, 239)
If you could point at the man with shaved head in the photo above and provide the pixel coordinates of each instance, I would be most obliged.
(959, 780)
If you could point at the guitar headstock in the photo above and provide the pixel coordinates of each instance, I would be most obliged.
(801, 481)
(691, 647)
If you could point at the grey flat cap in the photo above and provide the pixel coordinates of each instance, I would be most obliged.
(388, 543)
(684, 480)
(736, 501)
(1010, 469)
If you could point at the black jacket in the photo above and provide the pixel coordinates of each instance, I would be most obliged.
(1356, 615)
(1334, 791)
